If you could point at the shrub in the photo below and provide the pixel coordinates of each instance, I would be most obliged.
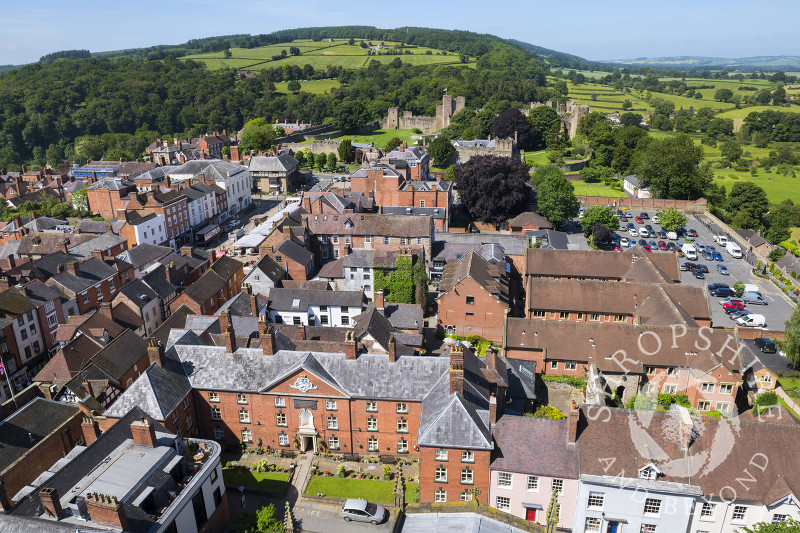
(713, 414)
(548, 411)
(664, 398)
(578, 383)
(340, 469)
(682, 400)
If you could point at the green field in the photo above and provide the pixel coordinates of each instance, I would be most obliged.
(743, 112)
(311, 86)
(609, 100)
(260, 480)
(376, 491)
(379, 137)
(537, 158)
(319, 55)
(595, 189)
(795, 235)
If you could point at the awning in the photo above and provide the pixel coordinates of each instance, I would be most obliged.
(251, 240)
(531, 505)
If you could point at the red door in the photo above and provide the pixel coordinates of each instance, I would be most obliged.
(530, 514)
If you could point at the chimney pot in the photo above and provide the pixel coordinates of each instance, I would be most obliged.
(456, 369)
(155, 352)
(268, 340)
(90, 429)
(572, 422)
(349, 345)
(50, 501)
(143, 433)
(392, 348)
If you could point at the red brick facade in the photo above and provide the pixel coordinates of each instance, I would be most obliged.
(453, 487)
(472, 310)
(108, 203)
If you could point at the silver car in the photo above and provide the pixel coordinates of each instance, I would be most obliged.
(362, 511)
(754, 298)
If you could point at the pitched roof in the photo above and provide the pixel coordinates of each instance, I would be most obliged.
(70, 359)
(332, 269)
(548, 454)
(301, 299)
(295, 252)
(144, 254)
(370, 224)
(530, 217)
(473, 266)
(121, 354)
(103, 242)
(281, 163)
(633, 264)
(158, 391)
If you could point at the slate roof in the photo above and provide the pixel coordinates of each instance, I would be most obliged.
(370, 224)
(512, 244)
(138, 293)
(39, 294)
(39, 418)
(213, 279)
(283, 299)
(371, 322)
(530, 218)
(14, 303)
(388, 171)
(753, 238)
(70, 359)
(158, 391)
(269, 269)
(404, 316)
(548, 454)
(633, 179)
(92, 271)
(332, 270)
(121, 354)
(158, 282)
(176, 320)
(214, 169)
(143, 254)
(337, 202)
(112, 184)
(281, 163)
(103, 242)
(92, 226)
(295, 252)
(438, 213)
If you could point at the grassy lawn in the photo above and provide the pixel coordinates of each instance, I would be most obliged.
(259, 480)
(379, 137)
(778, 187)
(743, 112)
(537, 158)
(795, 234)
(595, 189)
(311, 86)
(376, 491)
(609, 100)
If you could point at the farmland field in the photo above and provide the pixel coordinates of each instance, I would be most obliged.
(310, 86)
(379, 137)
(609, 100)
(319, 55)
(743, 112)
(595, 189)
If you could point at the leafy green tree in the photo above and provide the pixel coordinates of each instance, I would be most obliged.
(320, 160)
(598, 216)
(671, 219)
(80, 200)
(330, 162)
(778, 227)
(731, 149)
(671, 167)
(791, 344)
(350, 114)
(267, 520)
(627, 104)
(547, 124)
(662, 106)
(244, 522)
(718, 127)
(662, 122)
(493, 189)
(346, 151)
(300, 157)
(450, 173)
(392, 143)
(295, 51)
(630, 119)
(723, 95)
(257, 135)
(441, 151)
(227, 53)
(54, 156)
(294, 86)
(556, 199)
(749, 197)
(787, 525)
(596, 174)
(542, 172)
(548, 411)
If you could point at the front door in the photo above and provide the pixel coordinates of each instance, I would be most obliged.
(613, 527)
(530, 514)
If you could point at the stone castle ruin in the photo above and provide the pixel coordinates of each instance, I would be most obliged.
(444, 112)
(570, 112)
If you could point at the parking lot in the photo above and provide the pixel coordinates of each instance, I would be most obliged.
(776, 312)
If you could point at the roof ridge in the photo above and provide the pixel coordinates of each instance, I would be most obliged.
(149, 383)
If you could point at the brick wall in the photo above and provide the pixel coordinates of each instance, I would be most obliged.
(487, 316)
(689, 206)
(427, 474)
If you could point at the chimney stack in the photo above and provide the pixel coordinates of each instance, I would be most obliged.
(379, 303)
(74, 267)
(349, 345)
(493, 415)
(287, 231)
(253, 303)
(105, 509)
(572, 422)
(155, 352)
(143, 433)
(91, 430)
(187, 251)
(392, 349)
(50, 502)
(95, 253)
(105, 310)
(301, 332)
(267, 338)
(456, 369)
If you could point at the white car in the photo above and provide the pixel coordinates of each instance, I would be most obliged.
(623, 241)
(633, 233)
(644, 233)
(655, 218)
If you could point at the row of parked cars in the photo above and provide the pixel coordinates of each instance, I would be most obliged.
(735, 307)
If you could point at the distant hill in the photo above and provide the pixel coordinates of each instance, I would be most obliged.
(771, 63)
(556, 58)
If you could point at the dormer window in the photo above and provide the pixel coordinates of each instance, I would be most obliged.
(650, 471)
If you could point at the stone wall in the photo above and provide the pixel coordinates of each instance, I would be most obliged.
(408, 121)
(570, 112)
(502, 148)
(688, 206)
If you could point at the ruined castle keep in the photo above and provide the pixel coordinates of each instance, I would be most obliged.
(570, 113)
(408, 121)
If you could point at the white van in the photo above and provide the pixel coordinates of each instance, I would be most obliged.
(672, 235)
(722, 240)
(749, 287)
(752, 321)
(689, 251)
(733, 249)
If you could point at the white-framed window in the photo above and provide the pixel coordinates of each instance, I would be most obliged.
(280, 402)
(558, 486)
(244, 416)
(592, 524)
(372, 424)
(467, 457)
(465, 496)
(440, 496)
(707, 387)
(703, 405)
(708, 510)
(280, 419)
(216, 414)
(648, 528)
(596, 500)
(335, 239)
(219, 433)
(330, 405)
(188, 421)
(368, 239)
(670, 389)
(739, 513)
(213, 397)
(283, 439)
(503, 503)
(247, 436)
(504, 480)
(333, 443)
(778, 518)
(49, 307)
(402, 426)
(185, 403)
(440, 455)
(723, 407)
(372, 406)
(241, 398)
(333, 422)
(672, 371)
(533, 484)
(347, 239)
(402, 407)
(440, 474)
(52, 320)
(402, 446)
(570, 365)
(466, 476)
(386, 240)
(652, 507)
(372, 444)
(175, 416)
(726, 388)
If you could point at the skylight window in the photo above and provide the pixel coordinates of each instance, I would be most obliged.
(296, 302)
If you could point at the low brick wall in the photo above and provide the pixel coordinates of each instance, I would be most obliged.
(754, 333)
(483, 510)
(688, 206)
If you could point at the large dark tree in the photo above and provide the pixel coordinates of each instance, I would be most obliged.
(493, 189)
(511, 123)
(671, 167)
(749, 197)
(441, 151)
(547, 124)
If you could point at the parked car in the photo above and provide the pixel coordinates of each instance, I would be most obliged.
(671, 246)
(653, 245)
(362, 511)
(643, 232)
(765, 345)
(649, 227)
(632, 232)
(630, 225)
(688, 266)
(732, 305)
(725, 292)
(754, 298)
(623, 218)
(708, 254)
(698, 273)
(662, 234)
(724, 301)
(736, 314)
(718, 256)
(703, 268)
(655, 218)
(644, 216)
(623, 241)
(662, 245)
(722, 269)
(692, 233)
(639, 220)
(712, 286)
(752, 321)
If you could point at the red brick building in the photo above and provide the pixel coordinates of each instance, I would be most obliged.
(473, 298)
(221, 282)
(108, 196)
(174, 206)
